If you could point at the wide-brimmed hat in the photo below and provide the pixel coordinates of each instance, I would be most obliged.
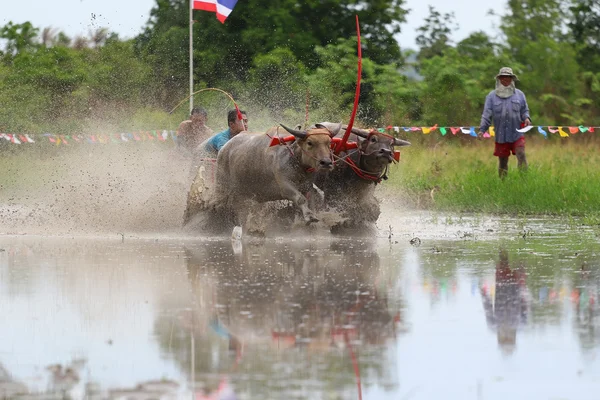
(507, 71)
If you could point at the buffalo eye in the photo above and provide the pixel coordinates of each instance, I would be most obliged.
(309, 143)
(373, 139)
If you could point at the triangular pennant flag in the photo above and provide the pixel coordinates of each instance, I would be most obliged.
(591, 129)
(573, 129)
(30, 140)
(115, 138)
(466, 131)
(136, 137)
(486, 135)
(552, 130)
(124, 138)
(51, 138)
(582, 129)
(443, 131)
(389, 127)
(165, 135)
(77, 138)
(526, 129)
(492, 131)
(13, 139)
(23, 139)
(63, 139)
(396, 129)
(543, 132)
(160, 136)
(472, 132)
(149, 136)
(92, 139)
(426, 130)
(454, 130)
(562, 133)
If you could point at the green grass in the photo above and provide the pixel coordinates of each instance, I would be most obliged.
(563, 179)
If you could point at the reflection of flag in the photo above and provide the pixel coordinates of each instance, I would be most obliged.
(222, 7)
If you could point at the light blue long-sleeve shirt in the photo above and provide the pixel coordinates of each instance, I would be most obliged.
(506, 114)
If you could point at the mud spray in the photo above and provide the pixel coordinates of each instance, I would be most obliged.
(93, 188)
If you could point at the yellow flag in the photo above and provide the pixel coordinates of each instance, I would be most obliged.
(492, 131)
(426, 130)
(562, 133)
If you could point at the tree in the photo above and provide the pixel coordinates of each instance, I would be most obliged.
(434, 37)
(547, 61)
(226, 52)
(585, 29)
(19, 37)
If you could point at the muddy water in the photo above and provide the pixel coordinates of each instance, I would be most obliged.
(436, 307)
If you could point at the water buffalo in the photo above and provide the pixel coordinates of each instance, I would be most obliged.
(350, 187)
(249, 168)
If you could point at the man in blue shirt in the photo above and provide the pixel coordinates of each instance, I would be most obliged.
(506, 107)
(215, 143)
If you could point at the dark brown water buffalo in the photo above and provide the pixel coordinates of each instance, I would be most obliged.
(350, 187)
(249, 168)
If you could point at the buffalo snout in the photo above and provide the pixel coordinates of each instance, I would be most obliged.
(326, 163)
(387, 153)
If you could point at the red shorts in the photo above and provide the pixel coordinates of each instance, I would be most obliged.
(504, 149)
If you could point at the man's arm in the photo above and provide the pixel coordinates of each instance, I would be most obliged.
(525, 117)
(486, 117)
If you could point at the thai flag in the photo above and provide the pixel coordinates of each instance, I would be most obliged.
(222, 7)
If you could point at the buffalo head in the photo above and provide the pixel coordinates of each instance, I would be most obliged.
(315, 146)
(377, 148)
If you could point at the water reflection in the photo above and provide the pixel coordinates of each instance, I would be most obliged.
(290, 317)
(311, 318)
(506, 308)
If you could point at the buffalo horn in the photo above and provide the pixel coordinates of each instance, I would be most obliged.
(400, 142)
(297, 133)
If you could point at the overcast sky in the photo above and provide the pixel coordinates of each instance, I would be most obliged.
(127, 17)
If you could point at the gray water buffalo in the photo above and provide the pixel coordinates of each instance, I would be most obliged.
(249, 168)
(350, 187)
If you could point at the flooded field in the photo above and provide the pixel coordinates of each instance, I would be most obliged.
(435, 307)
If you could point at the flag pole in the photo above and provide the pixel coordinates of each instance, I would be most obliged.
(191, 56)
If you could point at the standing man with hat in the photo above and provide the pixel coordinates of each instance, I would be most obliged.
(506, 107)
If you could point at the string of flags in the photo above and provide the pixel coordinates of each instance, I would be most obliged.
(164, 135)
(563, 131)
(102, 138)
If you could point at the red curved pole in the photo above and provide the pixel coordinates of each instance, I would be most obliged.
(341, 145)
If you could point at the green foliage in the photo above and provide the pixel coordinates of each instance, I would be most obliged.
(562, 179)
(434, 37)
(275, 56)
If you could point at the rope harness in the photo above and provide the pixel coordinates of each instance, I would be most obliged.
(361, 173)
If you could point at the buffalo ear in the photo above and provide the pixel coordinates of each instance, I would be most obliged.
(400, 142)
(332, 128)
(298, 133)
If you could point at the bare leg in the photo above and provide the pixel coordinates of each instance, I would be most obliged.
(502, 167)
(521, 159)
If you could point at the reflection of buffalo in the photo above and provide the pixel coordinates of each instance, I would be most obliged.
(296, 296)
(507, 311)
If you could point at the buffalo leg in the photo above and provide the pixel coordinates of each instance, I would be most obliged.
(289, 192)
